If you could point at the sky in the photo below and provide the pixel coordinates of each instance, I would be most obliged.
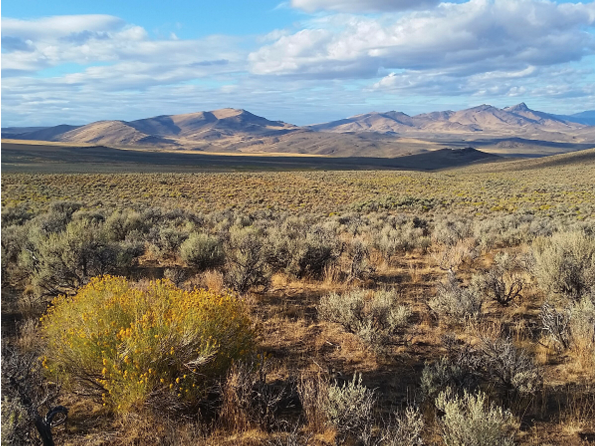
(300, 61)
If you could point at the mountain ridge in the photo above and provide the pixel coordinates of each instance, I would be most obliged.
(385, 134)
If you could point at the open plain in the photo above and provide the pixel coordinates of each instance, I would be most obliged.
(376, 298)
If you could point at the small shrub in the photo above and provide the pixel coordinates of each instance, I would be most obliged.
(455, 303)
(406, 429)
(301, 250)
(176, 275)
(313, 253)
(556, 325)
(248, 400)
(203, 252)
(391, 241)
(443, 374)
(121, 223)
(374, 320)
(166, 241)
(450, 232)
(349, 407)
(16, 215)
(502, 283)
(246, 256)
(148, 345)
(451, 257)
(582, 329)
(508, 365)
(470, 420)
(565, 263)
(64, 261)
(572, 328)
(359, 267)
(512, 230)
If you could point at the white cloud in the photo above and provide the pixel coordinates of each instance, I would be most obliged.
(362, 5)
(100, 67)
(31, 46)
(471, 37)
(52, 28)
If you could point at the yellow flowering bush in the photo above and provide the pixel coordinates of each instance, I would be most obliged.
(131, 344)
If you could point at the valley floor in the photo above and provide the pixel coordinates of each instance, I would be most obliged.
(405, 234)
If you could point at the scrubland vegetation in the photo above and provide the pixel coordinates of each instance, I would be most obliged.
(373, 308)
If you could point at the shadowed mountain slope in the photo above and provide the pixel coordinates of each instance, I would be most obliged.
(516, 130)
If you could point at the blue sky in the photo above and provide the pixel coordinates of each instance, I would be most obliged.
(302, 61)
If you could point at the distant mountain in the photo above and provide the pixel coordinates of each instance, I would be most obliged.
(176, 130)
(36, 133)
(586, 117)
(512, 130)
(518, 120)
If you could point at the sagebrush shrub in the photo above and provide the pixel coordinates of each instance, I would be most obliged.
(203, 252)
(565, 263)
(63, 261)
(405, 430)
(312, 253)
(359, 267)
(373, 319)
(572, 327)
(16, 215)
(443, 374)
(582, 328)
(249, 400)
(391, 241)
(349, 407)
(166, 241)
(449, 232)
(508, 365)
(503, 282)
(470, 420)
(455, 303)
(121, 223)
(247, 261)
(512, 230)
(135, 345)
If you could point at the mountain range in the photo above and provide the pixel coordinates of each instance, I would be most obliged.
(511, 130)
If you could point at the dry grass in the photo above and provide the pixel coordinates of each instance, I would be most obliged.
(313, 352)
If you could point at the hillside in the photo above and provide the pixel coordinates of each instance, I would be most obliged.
(39, 158)
(486, 119)
(516, 130)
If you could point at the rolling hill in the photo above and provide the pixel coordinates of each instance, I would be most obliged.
(515, 130)
(486, 119)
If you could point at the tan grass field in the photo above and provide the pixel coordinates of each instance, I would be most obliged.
(393, 232)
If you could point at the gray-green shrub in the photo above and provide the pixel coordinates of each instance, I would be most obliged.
(203, 252)
(455, 303)
(374, 320)
(64, 261)
(508, 365)
(349, 407)
(446, 373)
(247, 266)
(166, 241)
(405, 430)
(565, 263)
(573, 326)
(470, 420)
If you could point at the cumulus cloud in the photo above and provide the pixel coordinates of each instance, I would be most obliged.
(472, 37)
(532, 82)
(112, 54)
(334, 65)
(362, 5)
